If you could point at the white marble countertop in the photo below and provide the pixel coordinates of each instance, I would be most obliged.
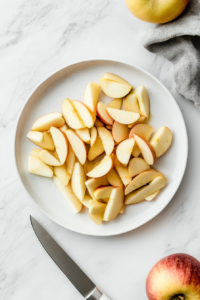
(38, 37)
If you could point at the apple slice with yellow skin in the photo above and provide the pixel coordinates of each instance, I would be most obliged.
(78, 181)
(87, 116)
(35, 153)
(114, 86)
(46, 121)
(91, 96)
(107, 139)
(131, 102)
(144, 130)
(141, 180)
(103, 192)
(61, 173)
(136, 166)
(77, 145)
(93, 136)
(98, 219)
(61, 143)
(103, 168)
(96, 149)
(70, 161)
(109, 127)
(49, 159)
(114, 204)
(71, 116)
(96, 208)
(162, 140)
(103, 114)
(146, 149)
(116, 103)
(123, 174)
(124, 150)
(141, 120)
(37, 167)
(144, 192)
(84, 134)
(152, 196)
(113, 178)
(45, 138)
(122, 116)
(67, 192)
(120, 132)
(86, 201)
(93, 183)
(98, 123)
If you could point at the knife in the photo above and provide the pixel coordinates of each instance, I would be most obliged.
(77, 277)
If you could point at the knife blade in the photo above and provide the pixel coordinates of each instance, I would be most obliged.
(77, 277)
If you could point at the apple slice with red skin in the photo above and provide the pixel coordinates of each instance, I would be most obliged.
(175, 277)
(141, 120)
(103, 168)
(131, 102)
(122, 116)
(107, 139)
(146, 149)
(77, 145)
(120, 132)
(46, 121)
(124, 150)
(87, 116)
(144, 130)
(103, 114)
(116, 103)
(93, 183)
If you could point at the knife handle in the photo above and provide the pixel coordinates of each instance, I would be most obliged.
(96, 294)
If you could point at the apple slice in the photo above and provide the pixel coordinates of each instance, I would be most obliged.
(86, 201)
(91, 96)
(48, 158)
(70, 161)
(122, 209)
(136, 151)
(84, 134)
(37, 167)
(77, 145)
(103, 168)
(122, 116)
(141, 180)
(114, 86)
(124, 150)
(61, 143)
(46, 121)
(136, 166)
(87, 116)
(93, 136)
(146, 149)
(162, 140)
(109, 127)
(61, 173)
(141, 120)
(45, 138)
(143, 130)
(115, 103)
(107, 139)
(78, 181)
(71, 116)
(144, 192)
(123, 174)
(152, 196)
(89, 166)
(120, 132)
(103, 192)
(114, 204)
(67, 192)
(143, 100)
(113, 178)
(103, 114)
(96, 208)
(96, 149)
(93, 183)
(131, 102)
(98, 123)
(35, 153)
(97, 218)
(64, 128)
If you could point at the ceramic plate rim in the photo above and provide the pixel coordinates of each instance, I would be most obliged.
(186, 149)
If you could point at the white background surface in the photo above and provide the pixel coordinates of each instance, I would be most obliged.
(38, 37)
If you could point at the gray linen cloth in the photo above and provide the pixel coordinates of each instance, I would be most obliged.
(179, 42)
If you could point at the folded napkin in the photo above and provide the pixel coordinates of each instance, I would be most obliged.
(179, 42)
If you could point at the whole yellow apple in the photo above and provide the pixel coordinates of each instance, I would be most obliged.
(156, 11)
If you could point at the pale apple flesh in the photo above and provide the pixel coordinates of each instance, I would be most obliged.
(136, 166)
(103, 114)
(77, 145)
(96, 208)
(175, 277)
(124, 150)
(123, 174)
(61, 173)
(103, 192)
(37, 167)
(45, 138)
(91, 96)
(93, 183)
(114, 204)
(146, 148)
(70, 161)
(120, 132)
(46, 121)
(71, 116)
(61, 143)
(122, 116)
(116, 103)
(49, 158)
(84, 134)
(114, 179)
(162, 140)
(103, 168)
(114, 86)
(86, 115)
(152, 196)
(96, 149)
(78, 181)
(144, 130)
(107, 140)
(93, 136)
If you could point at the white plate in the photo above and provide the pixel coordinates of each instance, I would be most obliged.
(71, 82)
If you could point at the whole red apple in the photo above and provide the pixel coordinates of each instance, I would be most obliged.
(175, 277)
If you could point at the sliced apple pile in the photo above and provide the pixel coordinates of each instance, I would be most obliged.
(99, 155)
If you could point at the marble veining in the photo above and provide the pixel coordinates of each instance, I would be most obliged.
(36, 38)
